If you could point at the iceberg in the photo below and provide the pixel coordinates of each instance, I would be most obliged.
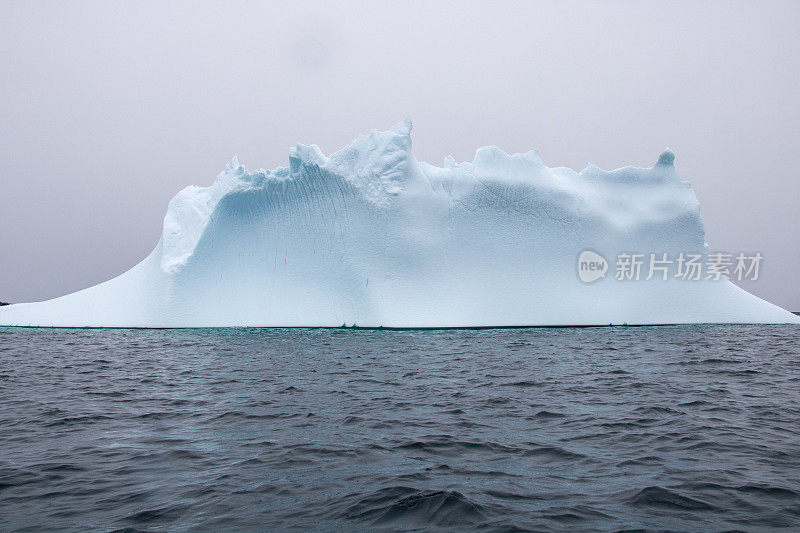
(371, 237)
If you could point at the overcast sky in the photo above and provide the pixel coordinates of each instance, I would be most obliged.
(107, 109)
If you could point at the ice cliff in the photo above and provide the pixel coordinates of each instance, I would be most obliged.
(370, 236)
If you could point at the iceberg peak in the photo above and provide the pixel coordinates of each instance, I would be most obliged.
(666, 159)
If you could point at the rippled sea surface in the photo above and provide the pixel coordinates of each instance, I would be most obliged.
(596, 429)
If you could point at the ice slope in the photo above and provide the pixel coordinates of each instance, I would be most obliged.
(371, 237)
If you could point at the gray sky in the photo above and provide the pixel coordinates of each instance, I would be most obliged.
(107, 109)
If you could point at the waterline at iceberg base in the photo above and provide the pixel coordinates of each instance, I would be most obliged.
(372, 237)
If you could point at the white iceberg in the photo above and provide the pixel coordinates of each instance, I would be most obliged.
(371, 237)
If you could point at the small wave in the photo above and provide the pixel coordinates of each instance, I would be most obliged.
(717, 360)
(447, 446)
(655, 496)
(410, 507)
(574, 514)
(641, 461)
(170, 512)
(694, 403)
(522, 384)
(656, 409)
(58, 467)
(769, 490)
(552, 454)
(549, 414)
(628, 423)
(514, 496)
(74, 420)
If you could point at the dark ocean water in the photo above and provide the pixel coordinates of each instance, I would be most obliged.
(598, 429)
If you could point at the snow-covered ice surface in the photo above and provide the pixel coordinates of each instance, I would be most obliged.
(372, 237)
